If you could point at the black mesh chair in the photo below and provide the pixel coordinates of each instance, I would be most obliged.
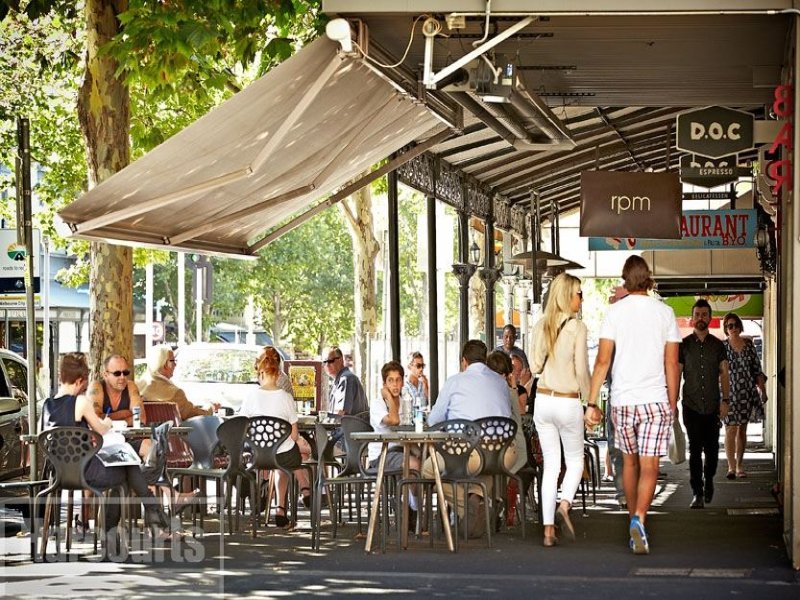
(265, 436)
(456, 454)
(497, 435)
(352, 474)
(68, 451)
(209, 437)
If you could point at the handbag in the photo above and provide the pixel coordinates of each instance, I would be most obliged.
(155, 462)
(677, 445)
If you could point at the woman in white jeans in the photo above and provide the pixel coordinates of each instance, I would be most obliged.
(560, 356)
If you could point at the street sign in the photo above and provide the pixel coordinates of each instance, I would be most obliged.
(708, 172)
(714, 131)
(12, 262)
(157, 332)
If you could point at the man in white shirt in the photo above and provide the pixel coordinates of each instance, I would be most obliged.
(642, 334)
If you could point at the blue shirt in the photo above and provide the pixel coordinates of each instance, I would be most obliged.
(417, 392)
(475, 393)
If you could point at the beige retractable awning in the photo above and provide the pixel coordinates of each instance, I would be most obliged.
(290, 138)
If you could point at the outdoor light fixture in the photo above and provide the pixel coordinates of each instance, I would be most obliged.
(761, 238)
(474, 252)
(339, 31)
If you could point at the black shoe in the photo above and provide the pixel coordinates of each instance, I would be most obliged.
(697, 502)
(709, 493)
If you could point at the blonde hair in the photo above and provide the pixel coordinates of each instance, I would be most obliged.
(559, 301)
(157, 357)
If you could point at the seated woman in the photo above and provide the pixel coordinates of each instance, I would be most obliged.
(269, 400)
(71, 408)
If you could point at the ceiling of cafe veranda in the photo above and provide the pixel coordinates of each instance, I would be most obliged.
(600, 82)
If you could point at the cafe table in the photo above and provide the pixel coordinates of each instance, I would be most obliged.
(407, 439)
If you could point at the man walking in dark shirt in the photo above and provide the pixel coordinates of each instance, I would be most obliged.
(705, 371)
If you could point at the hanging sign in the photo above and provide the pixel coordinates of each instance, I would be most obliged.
(708, 172)
(621, 204)
(778, 169)
(715, 229)
(714, 131)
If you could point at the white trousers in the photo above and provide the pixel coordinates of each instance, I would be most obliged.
(559, 419)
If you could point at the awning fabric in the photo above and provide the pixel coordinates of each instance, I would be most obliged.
(303, 130)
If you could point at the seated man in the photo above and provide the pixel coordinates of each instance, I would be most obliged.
(115, 396)
(161, 366)
(475, 393)
(384, 412)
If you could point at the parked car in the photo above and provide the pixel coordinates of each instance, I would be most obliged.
(13, 413)
(216, 372)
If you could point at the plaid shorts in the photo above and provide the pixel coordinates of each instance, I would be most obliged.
(642, 428)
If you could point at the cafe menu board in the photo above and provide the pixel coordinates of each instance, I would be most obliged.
(306, 379)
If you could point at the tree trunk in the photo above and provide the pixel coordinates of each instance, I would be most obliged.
(365, 251)
(104, 114)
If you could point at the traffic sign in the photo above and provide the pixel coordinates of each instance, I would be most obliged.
(12, 262)
(714, 131)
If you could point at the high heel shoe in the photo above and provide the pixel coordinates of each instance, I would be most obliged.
(549, 541)
(563, 521)
(184, 501)
(281, 521)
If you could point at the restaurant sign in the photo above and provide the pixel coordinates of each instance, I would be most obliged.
(747, 306)
(714, 131)
(709, 229)
(640, 205)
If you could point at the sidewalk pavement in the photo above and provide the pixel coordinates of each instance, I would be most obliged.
(733, 547)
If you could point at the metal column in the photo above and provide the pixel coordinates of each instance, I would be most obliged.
(394, 267)
(433, 303)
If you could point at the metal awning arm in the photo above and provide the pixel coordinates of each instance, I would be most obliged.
(430, 79)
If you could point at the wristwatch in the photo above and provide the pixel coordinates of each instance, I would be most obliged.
(591, 405)
(726, 400)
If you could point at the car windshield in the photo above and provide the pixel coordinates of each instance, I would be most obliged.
(216, 365)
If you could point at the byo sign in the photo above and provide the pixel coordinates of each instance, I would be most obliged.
(715, 131)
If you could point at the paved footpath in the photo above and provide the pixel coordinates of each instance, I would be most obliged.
(732, 548)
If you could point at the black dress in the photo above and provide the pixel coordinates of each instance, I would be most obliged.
(60, 412)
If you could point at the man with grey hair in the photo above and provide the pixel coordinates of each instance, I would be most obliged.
(158, 388)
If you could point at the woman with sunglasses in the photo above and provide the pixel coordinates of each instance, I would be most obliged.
(560, 355)
(746, 380)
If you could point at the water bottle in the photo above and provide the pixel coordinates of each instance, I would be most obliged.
(419, 420)
(406, 407)
(137, 416)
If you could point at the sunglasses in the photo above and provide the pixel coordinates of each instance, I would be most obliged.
(731, 326)
(331, 360)
(420, 365)
(124, 372)
(174, 361)
(580, 294)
